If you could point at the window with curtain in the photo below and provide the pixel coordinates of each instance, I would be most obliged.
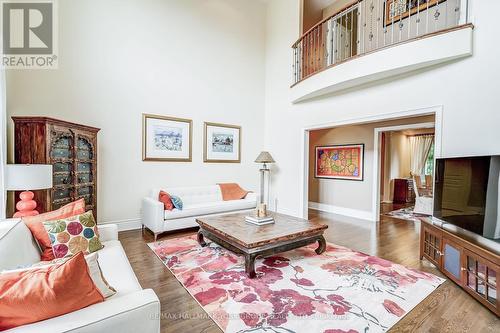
(429, 163)
(420, 146)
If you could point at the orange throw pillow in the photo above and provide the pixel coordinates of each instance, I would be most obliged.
(46, 292)
(166, 199)
(35, 224)
(232, 191)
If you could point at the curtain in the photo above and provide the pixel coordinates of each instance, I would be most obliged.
(3, 145)
(420, 145)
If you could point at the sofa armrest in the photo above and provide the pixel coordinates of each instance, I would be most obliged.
(108, 232)
(134, 312)
(153, 214)
(253, 196)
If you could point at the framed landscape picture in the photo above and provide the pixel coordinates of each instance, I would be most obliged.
(340, 162)
(222, 143)
(166, 138)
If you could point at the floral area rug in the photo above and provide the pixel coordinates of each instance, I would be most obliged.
(297, 291)
(406, 214)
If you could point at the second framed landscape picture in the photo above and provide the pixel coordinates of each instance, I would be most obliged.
(221, 143)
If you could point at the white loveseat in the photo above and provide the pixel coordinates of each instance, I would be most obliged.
(198, 201)
(131, 309)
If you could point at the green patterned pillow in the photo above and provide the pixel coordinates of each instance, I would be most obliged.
(73, 234)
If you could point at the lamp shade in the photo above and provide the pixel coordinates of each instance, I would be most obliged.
(24, 177)
(264, 157)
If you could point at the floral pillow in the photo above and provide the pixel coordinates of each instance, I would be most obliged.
(73, 234)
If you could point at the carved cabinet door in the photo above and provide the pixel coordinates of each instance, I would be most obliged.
(86, 169)
(61, 156)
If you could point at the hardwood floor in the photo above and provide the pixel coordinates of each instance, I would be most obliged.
(448, 309)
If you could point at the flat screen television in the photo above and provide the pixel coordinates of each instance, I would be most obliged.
(466, 194)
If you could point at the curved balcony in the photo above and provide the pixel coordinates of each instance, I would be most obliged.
(374, 39)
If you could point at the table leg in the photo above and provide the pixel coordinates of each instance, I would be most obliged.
(322, 245)
(250, 265)
(201, 241)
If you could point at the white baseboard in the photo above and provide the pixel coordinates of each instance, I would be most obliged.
(356, 213)
(128, 224)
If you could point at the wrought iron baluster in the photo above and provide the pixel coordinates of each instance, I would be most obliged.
(418, 19)
(427, 17)
(410, 9)
(392, 12)
(352, 33)
(446, 14)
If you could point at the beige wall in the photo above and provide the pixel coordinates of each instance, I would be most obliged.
(398, 161)
(356, 194)
(336, 7)
(312, 11)
(202, 60)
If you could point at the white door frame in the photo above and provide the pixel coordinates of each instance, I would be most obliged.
(437, 111)
(377, 163)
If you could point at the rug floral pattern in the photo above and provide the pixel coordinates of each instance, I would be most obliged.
(297, 291)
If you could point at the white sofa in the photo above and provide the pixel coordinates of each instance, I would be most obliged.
(198, 201)
(131, 309)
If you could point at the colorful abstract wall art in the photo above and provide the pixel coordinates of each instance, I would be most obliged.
(340, 162)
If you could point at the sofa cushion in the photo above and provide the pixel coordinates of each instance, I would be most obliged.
(192, 195)
(210, 208)
(94, 270)
(73, 234)
(17, 242)
(165, 198)
(35, 225)
(116, 268)
(178, 204)
(45, 292)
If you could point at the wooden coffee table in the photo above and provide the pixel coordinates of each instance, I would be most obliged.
(287, 233)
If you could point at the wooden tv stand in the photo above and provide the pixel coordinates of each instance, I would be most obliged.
(471, 266)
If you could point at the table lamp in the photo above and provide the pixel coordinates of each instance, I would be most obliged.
(26, 177)
(264, 158)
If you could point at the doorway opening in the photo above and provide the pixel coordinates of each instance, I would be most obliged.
(362, 198)
(406, 169)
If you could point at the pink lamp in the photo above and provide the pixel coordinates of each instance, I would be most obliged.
(26, 177)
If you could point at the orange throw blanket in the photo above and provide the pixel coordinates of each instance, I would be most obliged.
(232, 191)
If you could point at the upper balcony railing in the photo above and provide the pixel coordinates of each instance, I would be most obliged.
(365, 26)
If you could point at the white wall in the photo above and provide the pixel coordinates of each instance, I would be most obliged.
(195, 59)
(467, 89)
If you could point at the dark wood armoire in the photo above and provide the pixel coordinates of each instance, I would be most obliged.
(403, 191)
(70, 148)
